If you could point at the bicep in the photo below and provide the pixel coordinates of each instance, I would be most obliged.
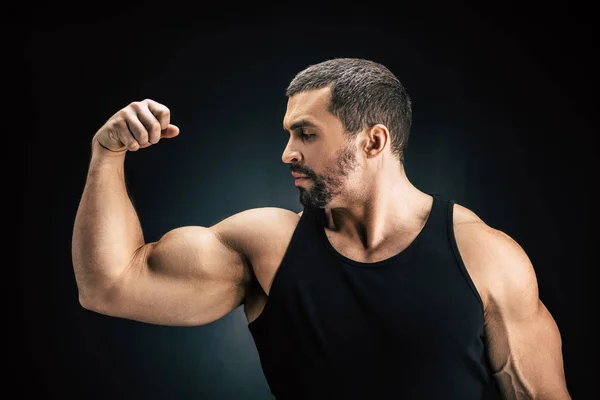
(188, 277)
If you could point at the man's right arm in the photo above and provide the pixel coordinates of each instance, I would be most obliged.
(191, 276)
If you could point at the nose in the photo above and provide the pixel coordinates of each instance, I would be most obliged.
(290, 154)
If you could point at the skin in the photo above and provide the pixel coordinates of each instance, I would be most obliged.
(194, 275)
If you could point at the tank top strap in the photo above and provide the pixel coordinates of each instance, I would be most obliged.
(436, 226)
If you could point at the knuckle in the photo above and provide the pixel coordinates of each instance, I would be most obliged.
(116, 123)
(162, 112)
(136, 105)
(126, 114)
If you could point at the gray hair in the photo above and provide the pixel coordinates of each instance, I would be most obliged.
(363, 93)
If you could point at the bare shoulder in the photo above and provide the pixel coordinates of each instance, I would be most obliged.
(255, 229)
(497, 264)
(261, 237)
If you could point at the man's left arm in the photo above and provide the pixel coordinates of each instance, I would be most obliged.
(523, 340)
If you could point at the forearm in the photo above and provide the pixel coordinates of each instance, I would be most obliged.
(107, 230)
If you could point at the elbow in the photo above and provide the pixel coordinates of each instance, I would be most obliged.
(99, 299)
(86, 301)
(95, 302)
(99, 288)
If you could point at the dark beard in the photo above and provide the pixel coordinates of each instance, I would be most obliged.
(318, 196)
(325, 187)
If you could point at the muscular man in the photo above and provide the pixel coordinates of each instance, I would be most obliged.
(376, 290)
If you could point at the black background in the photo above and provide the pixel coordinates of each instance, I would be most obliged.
(504, 106)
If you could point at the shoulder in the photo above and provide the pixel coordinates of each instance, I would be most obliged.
(499, 266)
(250, 230)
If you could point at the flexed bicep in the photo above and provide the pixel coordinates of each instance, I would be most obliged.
(188, 277)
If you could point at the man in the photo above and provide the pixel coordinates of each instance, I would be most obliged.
(375, 290)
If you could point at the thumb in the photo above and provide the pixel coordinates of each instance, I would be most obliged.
(170, 132)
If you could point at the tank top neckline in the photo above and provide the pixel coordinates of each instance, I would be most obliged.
(321, 220)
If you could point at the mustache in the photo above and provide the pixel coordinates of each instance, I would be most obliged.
(302, 170)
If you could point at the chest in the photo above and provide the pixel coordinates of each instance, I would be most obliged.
(355, 250)
(419, 306)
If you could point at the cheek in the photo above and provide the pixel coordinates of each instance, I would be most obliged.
(331, 161)
(321, 163)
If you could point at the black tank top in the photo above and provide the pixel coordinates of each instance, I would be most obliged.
(408, 327)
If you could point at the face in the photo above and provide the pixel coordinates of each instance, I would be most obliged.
(319, 150)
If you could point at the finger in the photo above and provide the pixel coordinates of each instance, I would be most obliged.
(125, 136)
(150, 123)
(136, 128)
(170, 132)
(161, 112)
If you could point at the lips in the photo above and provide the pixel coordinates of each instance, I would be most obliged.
(296, 175)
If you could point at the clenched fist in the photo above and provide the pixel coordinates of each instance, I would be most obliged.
(139, 125)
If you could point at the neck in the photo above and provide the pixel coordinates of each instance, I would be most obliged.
(389, 207)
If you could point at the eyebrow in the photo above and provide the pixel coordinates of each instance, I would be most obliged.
(303, 123)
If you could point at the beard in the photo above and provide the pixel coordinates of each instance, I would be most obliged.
(330, 184)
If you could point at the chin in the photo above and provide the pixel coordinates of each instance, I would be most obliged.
(311, 203)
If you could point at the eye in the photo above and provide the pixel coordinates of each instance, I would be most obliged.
(306, 136)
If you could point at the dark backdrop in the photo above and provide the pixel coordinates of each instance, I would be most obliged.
(503, 124)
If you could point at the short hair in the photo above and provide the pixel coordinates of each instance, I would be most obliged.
(363, 93)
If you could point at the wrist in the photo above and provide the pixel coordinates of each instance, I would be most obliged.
(98, 149)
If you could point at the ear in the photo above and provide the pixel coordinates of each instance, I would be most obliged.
(376, 138)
